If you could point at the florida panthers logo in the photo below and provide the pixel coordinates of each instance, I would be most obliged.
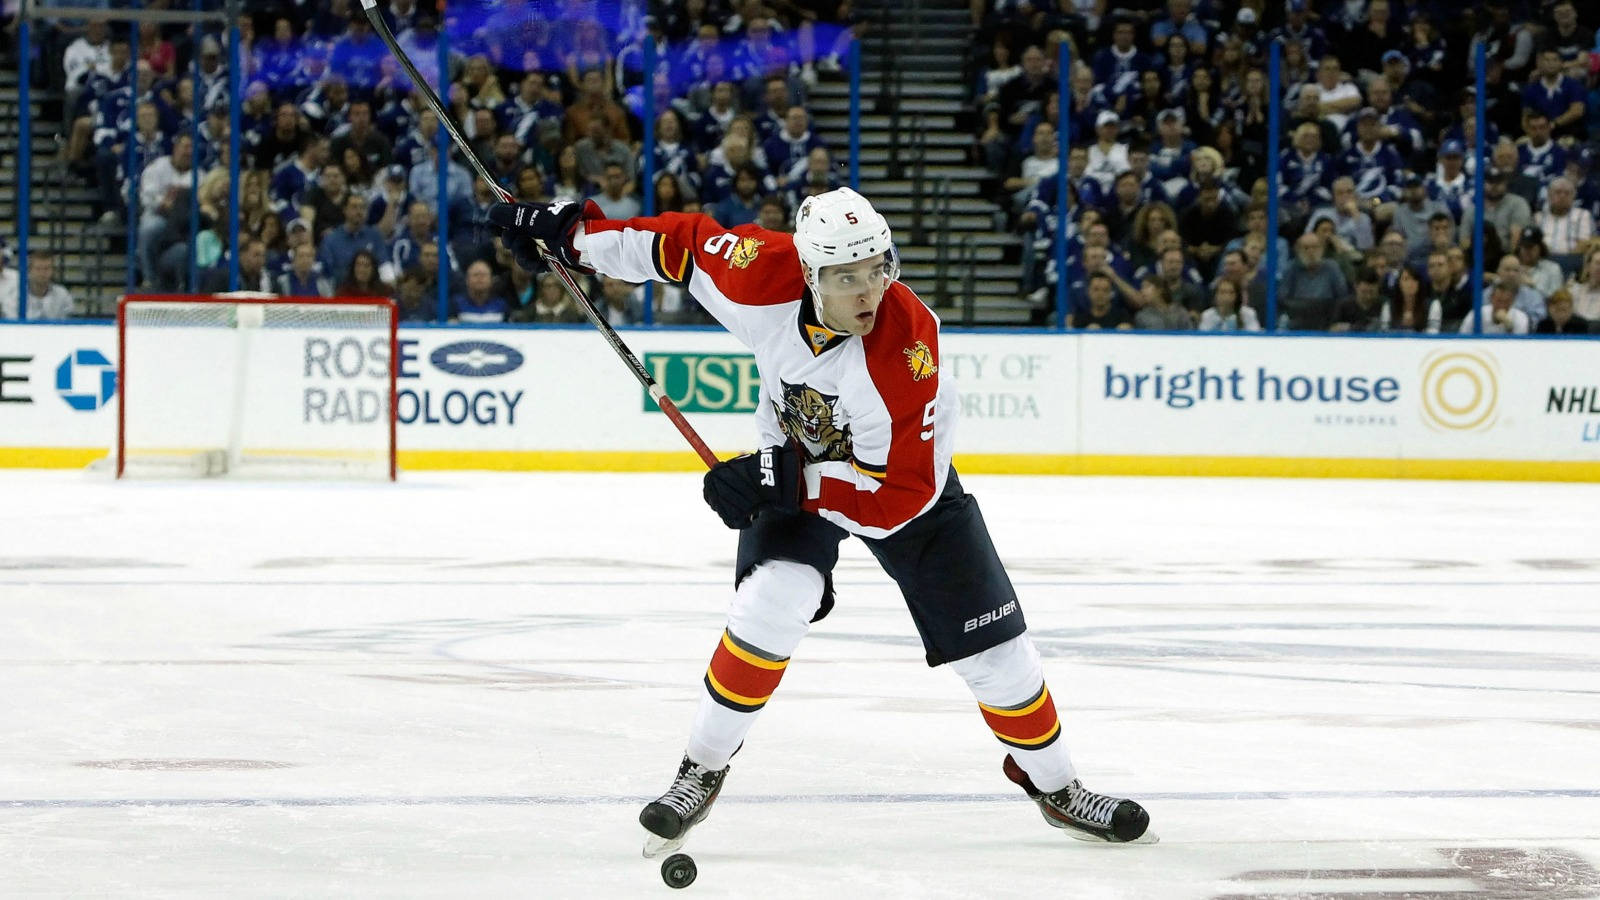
(807, 415)
(744, 253)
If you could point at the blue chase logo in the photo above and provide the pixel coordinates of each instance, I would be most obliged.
(476, 359)
(86, 380)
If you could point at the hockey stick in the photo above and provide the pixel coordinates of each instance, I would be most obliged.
(370, 8)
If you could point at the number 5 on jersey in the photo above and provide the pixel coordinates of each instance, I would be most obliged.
(927, 419)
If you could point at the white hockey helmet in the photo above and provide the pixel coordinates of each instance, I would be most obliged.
(840, 226)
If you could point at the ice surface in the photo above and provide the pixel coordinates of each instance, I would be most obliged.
(465, 685)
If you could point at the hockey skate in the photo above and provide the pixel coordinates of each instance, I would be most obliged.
(686, 804)
(1085, 815)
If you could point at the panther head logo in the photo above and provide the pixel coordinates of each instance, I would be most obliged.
(807, 415)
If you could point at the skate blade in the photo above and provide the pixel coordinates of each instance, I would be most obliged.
(1149, 837)
(656, 846)
(1090, 837)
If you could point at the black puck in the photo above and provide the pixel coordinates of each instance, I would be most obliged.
(678, 870)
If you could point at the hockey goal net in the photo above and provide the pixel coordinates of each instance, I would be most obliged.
(255, 385)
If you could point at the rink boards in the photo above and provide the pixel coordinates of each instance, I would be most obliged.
(1082, 403)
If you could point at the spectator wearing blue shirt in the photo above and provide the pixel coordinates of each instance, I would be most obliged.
(788, 148)
(1464, 129)
(1396, 125)
(149, 144)
(356, 55)
(1349, 220)
(1120, 60)
(695, 61)
(1151, 188)
(1373, 165)
(289, 183)
(717, 182)
(412, 149)
(479, 303)
(1298, 29)
(741, 206)
(616, 198)
(1449, 184)
(303, 279)
(1180, 20)
(774, 104)
(531, 114)
(326, 105)
(1169, 154)
(672, 153)
(340, 245)
(1560, 98)
(1086, 103)
(818, 177)
(712, 125)
(419, 231)
(1538, 155)
(1049, 113)
(1306, 171)
(400, 15)
(213, 137)
(1176, 71)
(424, 180)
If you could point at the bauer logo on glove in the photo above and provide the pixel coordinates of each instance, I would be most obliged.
(739, 488)
(523, 226)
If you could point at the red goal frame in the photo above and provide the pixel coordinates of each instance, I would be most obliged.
(247, 297)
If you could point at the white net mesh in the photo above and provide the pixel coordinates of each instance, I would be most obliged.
(256, 388)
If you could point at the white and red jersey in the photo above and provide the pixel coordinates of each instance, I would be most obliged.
(872, 414)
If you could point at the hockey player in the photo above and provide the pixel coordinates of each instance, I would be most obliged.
(856, 435)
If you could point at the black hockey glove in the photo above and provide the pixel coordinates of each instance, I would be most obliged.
(738, 488)
(520, 224)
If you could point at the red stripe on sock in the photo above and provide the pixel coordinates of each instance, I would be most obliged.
(755, 683)
(1034, 726)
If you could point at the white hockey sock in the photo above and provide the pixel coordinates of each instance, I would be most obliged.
(1008, 682)
(771, 612)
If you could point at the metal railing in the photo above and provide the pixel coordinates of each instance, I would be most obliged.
(918, 152)
(969, 281)
(894, 85)
(941, 266)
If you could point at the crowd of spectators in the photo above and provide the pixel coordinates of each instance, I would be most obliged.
(340, 157)
(1167, 173)
(1166, 213)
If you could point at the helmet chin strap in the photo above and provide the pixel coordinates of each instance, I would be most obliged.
(816, 295)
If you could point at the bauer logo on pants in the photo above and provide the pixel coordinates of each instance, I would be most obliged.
(989, 618)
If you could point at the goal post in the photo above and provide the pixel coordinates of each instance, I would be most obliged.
(256, 385)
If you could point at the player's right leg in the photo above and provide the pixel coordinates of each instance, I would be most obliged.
(1008, 682)
(772, 609)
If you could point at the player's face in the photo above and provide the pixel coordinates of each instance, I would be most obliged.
(851, 293)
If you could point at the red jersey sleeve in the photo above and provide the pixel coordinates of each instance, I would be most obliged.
(744, 266)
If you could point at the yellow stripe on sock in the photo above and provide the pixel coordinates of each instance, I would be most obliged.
(736, 698)
(1030, 741)
(746, 656)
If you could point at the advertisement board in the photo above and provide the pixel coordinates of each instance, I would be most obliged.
(558, 398)
(1312, 397)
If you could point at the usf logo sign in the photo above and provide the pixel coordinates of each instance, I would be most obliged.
(705, 382)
